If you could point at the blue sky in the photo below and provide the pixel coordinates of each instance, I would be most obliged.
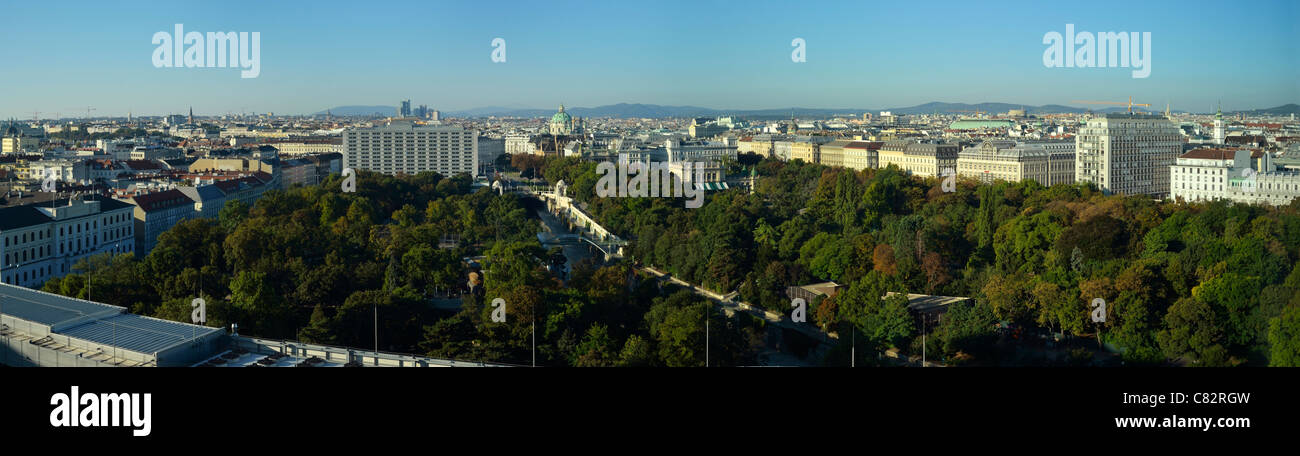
(730, 55)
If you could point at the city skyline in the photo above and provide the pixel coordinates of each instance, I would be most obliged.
(1106, 190)
(545, 112)
(589, 54)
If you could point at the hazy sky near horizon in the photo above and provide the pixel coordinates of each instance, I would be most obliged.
(63, 57)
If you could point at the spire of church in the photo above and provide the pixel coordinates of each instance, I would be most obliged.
(1219, 134)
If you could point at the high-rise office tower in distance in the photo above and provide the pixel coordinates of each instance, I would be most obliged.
(405, 110)
(402, 147)
(1127, 153)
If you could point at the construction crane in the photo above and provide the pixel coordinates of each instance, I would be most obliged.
(1130, 103)
(88, 109)
(976, 111)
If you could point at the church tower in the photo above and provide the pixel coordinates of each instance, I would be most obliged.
(1218, 126)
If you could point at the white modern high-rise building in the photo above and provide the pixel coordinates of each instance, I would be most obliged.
(1127, 153)
(404, 147)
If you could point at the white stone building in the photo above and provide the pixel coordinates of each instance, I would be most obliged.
(41, 241)
(1235, 175)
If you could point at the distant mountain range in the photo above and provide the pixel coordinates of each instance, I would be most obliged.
(1283, 110)
(637, 110)
(360, 111)
(626, 110)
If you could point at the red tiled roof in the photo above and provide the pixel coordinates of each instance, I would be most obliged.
(1218, 154)
(335, 141)
(1210, 154)
(867, 145)
(1244, 139)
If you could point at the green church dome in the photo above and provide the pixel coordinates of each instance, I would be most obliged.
(561, 117)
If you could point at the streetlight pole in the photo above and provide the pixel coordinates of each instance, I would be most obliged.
(376, 334)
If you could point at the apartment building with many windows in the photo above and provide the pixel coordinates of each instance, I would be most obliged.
(921, 159)
(1236, 175)
(307, 146)
(1127, 153)
(853, 154)
(832, 153)
(156, 213)
(806, 150)
(41, 241)
(1046, 162)
(406, 147)
(709, 154)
